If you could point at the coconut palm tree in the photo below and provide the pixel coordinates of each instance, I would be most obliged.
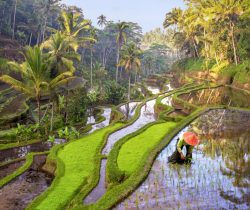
(130, 60)
(14, 20)
(34, 72)
(100, 74)
(74, 27)
(121, 39)
(227, 12)
(102, 20)
(93, 35)
(173, 17)
(60, 53)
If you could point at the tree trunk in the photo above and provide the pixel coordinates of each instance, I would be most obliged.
(44, 28)
(206, 50)
(52, 116)
(30, 38)
(117, 62)
(91, 68)
(14, 21)
(233, 44)
(1, 22)
(39, 107)
(195, 48)
(129, 78)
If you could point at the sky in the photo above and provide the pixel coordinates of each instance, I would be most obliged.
(149, 14)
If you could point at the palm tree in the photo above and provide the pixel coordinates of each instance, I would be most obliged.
(34, 73)
(91, 45)
(60, 53)
(14, 20)
(121, 38)
(102, 20)
(130, 60)
(100, 74)
(228, 12)
(74, 27)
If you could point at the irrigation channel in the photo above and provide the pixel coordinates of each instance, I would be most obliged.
(218, 177)
(147, 115)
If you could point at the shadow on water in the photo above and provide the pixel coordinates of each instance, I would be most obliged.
(220, 95)
(106, 114)
(22, 190)
(19, 152)
(129, 109)
(218, 178)
(154, 89)
(9, 168)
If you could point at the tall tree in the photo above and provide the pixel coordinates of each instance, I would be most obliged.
(61, 52)
(34, 72)
(102, 20)
(14, 20)
(74, 27)
(120, 40)
(130, 60)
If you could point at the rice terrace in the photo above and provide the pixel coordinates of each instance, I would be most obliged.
(124, 105)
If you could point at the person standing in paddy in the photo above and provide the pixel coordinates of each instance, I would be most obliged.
(189, 140)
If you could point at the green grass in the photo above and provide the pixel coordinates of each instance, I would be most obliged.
(132, 152)
(242, 74)
(73, 175)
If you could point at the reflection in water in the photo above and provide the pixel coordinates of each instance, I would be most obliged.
(154, 89)
(169, 87)
(100, 188)
(19, 152)
(22, 190)
(147, 116)
(218, 178)
(9, 168)
(221, 95)
(167, 100)
(106, 114)
(129, 109)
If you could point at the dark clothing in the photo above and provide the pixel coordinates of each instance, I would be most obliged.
(176, 156)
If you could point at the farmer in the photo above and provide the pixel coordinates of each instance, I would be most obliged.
(189, 140)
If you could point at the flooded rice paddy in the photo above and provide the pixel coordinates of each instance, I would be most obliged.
(220, 95)
(17, 194)
(129, 109)
(218, 178)
(147, 115)
(106, 113)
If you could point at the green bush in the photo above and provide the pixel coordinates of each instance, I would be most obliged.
(193, 64)
(115, 93)
(26, 132)
(68, 133)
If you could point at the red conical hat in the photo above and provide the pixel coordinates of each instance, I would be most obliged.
(190, 138)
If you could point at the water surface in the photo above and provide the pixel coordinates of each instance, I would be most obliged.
(218, 178)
